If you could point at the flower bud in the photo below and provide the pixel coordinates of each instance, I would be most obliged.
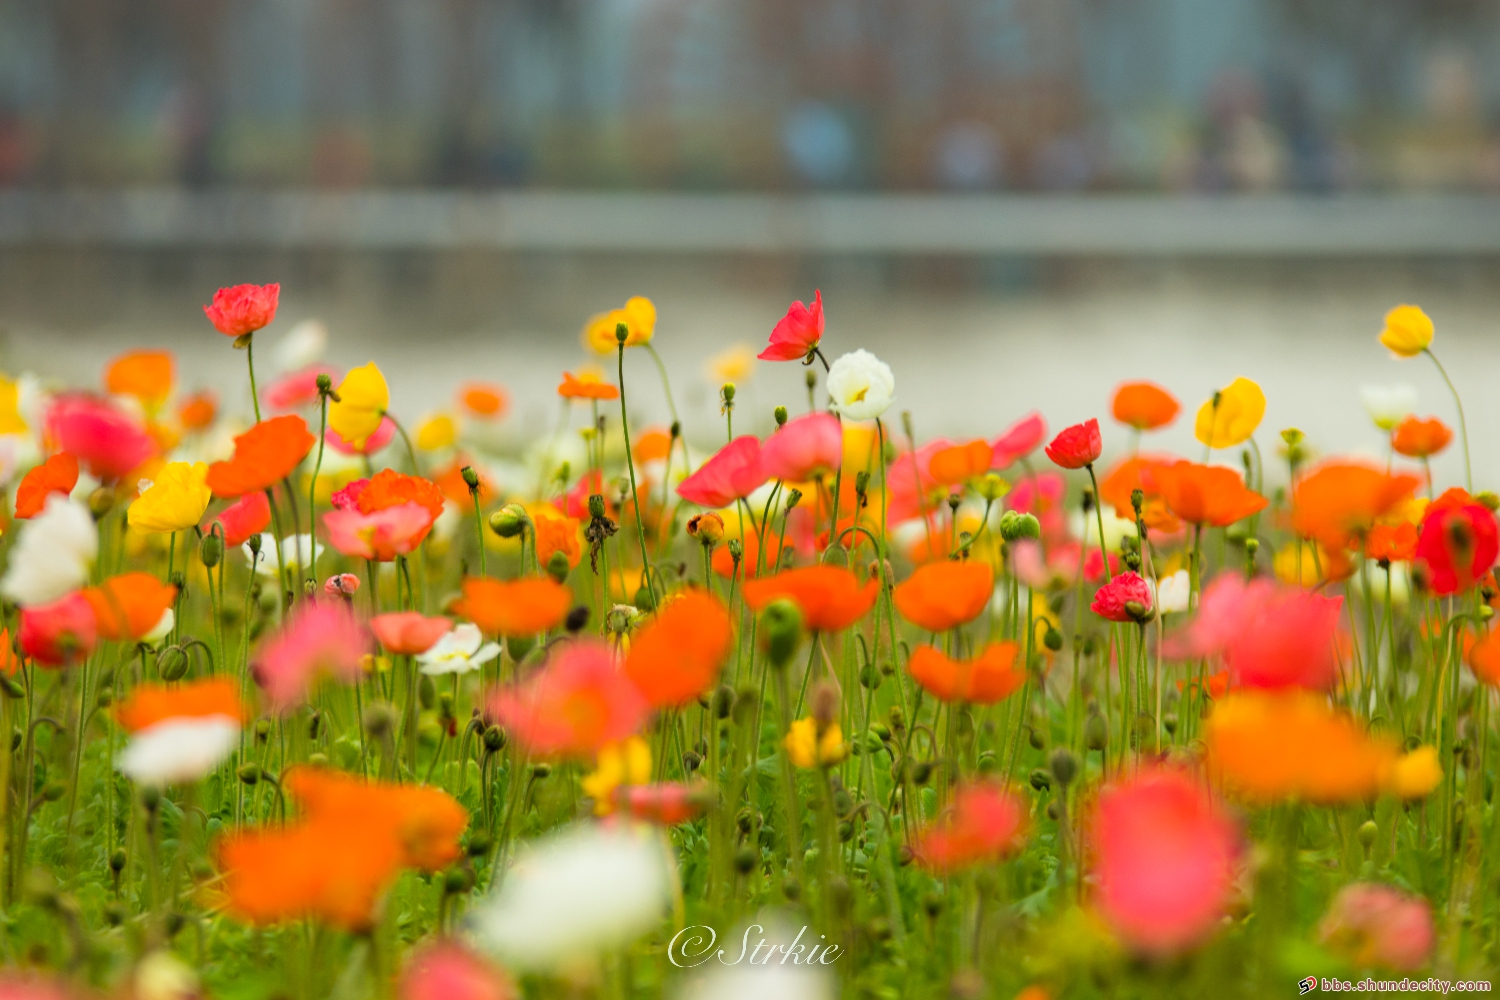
(781, 631)
(211, 549)
(101, 502)
(557, 566)
(622, 333)
(254, 542)
(596, 505)
(577, 619)
(117, 860)
(1368, 831)
(793, 496)
(726, 393)
(1064, 766)
(494, 739)
(471, 478)
(512, 519)
(824, 701)
(1096, 733)
(1489, 499)
(380, 720)
(780, 416)
(541, 771)
(1053, 639)
(457, 881)
(707, 528)
(991, 487)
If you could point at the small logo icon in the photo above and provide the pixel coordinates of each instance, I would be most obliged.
(1306, 986)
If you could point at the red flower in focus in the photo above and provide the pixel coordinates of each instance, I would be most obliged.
(990, 677)
(1019, 440)
(830, 597)
(574, 705)
(1144, 406)
(1126, 598)
(1417, 438)
(249, 515)
(263, 456)
(1078, 446)
(986, 823)
(678, 655)
(732, 474)
(797, 333)
(1379, 925)
(243, 309)
(59, 474)
(1392, 542)
(1164, 858)
(944, 595)
(107, 441)
(804, 448)
(59, 634)
(1457, 542)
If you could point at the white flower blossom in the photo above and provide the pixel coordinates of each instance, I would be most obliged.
(302, 346)
(294, 549)
(1388, 405)
(53, 555)
(179, 749)
(861, 386)
(458, 652)
(1172, 592)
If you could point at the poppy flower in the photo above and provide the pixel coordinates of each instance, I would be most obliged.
(1164, 860)
(989, 677)
(175, 500)
(665, 803)
(249, 515)
(182, 732)
(652, 445)
(1379, 926)
(1269, 636)
(555, 533)
(54, 554)
(436, 433)
(639, 317)
(484, 400)
(1388, 405)
(1231, 415)
(1417, 438)
(424, 821)
(1145, 406)
(1392, 542)
(1139, 472)
(860, 386)
(576, 704)
(198, 411)
(829, 597)
(514, 608)
(59, 634)
(243, 309)
(617, 765)
(297, 389)
(801, 449)
(1205, 494)
(381, 536)
(318, 638)
(130, 606)
(960, 463)
(586, 385)
(458, 652)
(1408, 331)
(985, 823)
(363, 399)
(407, 633)
(944, 595)
(1078, 446)
(389, 488)
(456, 491)
(1126, 598)
(1457, 542)
(1339, 502)
(798, 333)
(811, 743)
(733, 473)
(446, 970)
(679, 654)
(143, 375)
(1019, 440)
(374, 444)
(263, 456)
(107, 442)
(58, 474)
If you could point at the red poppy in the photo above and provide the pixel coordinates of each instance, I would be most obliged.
(1205, 494)
(678, 655)
(986, 823)
(830, 597)
(249, 515)
(263, 456)
(1417, 438)
(243, 309)
(1457, 543)
(108, 442)
(1019, 440)
(732, 473)
(944, 595)
(1078, 446)
(61, 633)
(1144, 406)
(796, 334)
(1126, 598)
(59, 474)
(989, 677)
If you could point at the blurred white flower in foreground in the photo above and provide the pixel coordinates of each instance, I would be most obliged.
(53, 555)
(739, 968)
(1388, 405)
(582, 891)
(303, 345)
(860, 385)
(1172, 592)
(180, 749)
(459, 652)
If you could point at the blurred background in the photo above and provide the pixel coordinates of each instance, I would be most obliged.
(1017, 203)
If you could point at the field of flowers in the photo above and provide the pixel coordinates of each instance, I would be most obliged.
(309, 698)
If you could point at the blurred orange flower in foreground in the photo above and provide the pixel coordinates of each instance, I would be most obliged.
(830, 597)
(145, 375)
(987, 678)
(944, 595)
(678, 656)
(514, 608)
(59, 474)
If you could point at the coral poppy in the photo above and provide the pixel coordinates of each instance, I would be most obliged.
(389, 488)
(1019, 440)
(1269, 636)
(199, 410)
(679, 654)
(959, 464)
(407, 633)
(58, 634)
(1408, 331)
(989, 677)
(175, 500)
(1126, 598)
(249, 515)
(1418, 438)
(809, 446)
(58, 474)
(1164, 860)
(1392, 542)
(363, 398)
(830, 597)
(1379, 926)
(297, 389)
(243, 309)
(733, 473)
(263, 456)
(1138, 472)
(1205, 494)
(639, 318)
(1339, 502)
(128, 607)
(514, 608)
(1231, 415)
(1145, 406)
(319, 638)
(180, 733)
(798, 333)
(985, 823)
(484, 400)
(1484, 658)
(575, 705)
(108, 442)
(586, 385)
(380, 536)
(144, 375)
(1457, 543)
(1078, 446)
(944, 595)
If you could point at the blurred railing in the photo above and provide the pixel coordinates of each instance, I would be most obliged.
(1353, 225)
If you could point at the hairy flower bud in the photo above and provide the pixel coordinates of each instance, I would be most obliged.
(781, 631)
(512, 519)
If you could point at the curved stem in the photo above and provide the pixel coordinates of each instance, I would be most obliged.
(1463, 426)
(640, 527)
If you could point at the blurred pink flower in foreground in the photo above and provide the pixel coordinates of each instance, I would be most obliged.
(447, 970)
(1379, 925)
(733, 473)
(574, 705)
(1019, 440)
(319, 637)
(810, 445)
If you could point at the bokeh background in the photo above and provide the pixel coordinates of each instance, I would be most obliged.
(1017, 203)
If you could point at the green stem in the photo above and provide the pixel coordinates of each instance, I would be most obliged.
(1463, 426)
(640, 527)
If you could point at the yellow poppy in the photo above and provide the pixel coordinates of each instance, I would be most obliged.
(1239, 410)
(1408, 331)
(10, 407)
(1416, 774)
(363, 399)
(625, 763)
(808, 749)
(437, 432)
(175, 501)
(639, 317)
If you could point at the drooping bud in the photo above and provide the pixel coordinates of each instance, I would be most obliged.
(824, 701)
(781, 631)
(793, 497)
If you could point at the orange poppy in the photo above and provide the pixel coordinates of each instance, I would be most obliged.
(723, 559)
(1206, 494)
(149, 704)
(59, 474)
(451, 484)
(10, 662)
(1339, 502)
(146, 375)
(484, 399)
(425, 821)
(1137, 473)
(831, 598)
(556, 533)
(389, 488)
(679, 654)
(575, 706)
(514, 607)
(1392, 542)
(198, 410)
(586, 386)
(1484, 658)
(944, 595)
(1417, 438)
(959, 464)
(989, 677)
(263, 456)
(128, 606)
(653, 445)
(1144, 406)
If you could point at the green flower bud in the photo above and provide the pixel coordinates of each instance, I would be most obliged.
(211, 549)
(471, 478)
(780, 416)
(781, 631)
(1064, 766)
(512, 519)
(557, 566)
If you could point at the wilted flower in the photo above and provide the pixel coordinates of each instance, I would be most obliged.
(175, 500)
(53, 554)
(457, 652)
(860, 386)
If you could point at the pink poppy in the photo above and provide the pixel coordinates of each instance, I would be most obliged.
(733, 473)
(318, 638)
(344, 585)
(297, 389)
(249, 515)
(574, 705)
(381, 535)
(1054, 567)
(1164, 860)
(797, 333)
(1126, 598)
(447, 970)
(408, 633)
(1379, 925)
(347, 498)
(382, 437)
(809, 446)
(909, 486)
(59, 634)
(105, 439)
(1093, 565)
(986, 823)
(1019, 440)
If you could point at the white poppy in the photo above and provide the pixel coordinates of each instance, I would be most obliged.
(860, 385)
(53, 555)
(162, 628)
(583, 891)
(1388, 405)
(302, 346)
(754, 961)
(179, 749)
(458, 652)
(1172, 592)
(294, 549)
